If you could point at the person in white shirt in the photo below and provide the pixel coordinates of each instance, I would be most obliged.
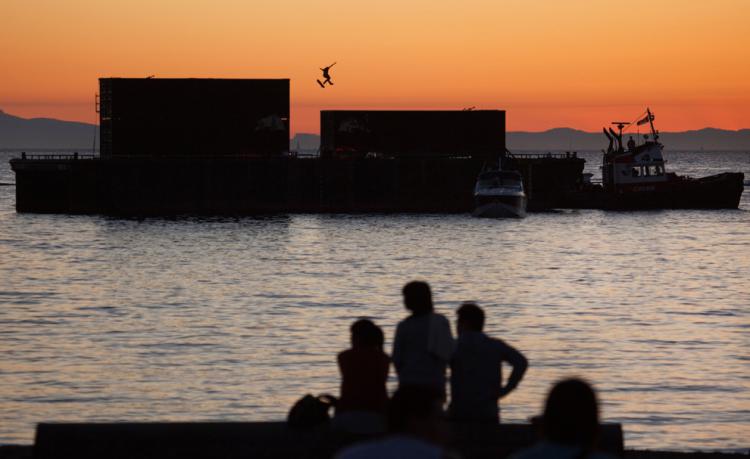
(423, 345)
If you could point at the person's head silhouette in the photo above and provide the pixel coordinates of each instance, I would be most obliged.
(571, 414)
(366, 334)
(418, 297)
(470, 318)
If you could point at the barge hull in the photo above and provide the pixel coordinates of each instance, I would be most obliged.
(721, 191)
(247, 186)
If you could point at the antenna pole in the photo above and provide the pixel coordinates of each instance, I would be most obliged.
(651, 123)
(96, 123)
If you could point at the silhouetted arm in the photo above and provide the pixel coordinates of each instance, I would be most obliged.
(385, 368)
(397, 356)
(519, 364)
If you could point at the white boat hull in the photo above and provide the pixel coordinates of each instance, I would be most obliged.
(515, 208)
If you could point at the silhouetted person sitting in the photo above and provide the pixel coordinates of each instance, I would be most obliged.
(327, 75)
(423, 344)
(416, 426)
(476, 369)
(631, 143)
(570, 424)
(362, 405)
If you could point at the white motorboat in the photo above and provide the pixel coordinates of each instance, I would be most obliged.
(499, 194)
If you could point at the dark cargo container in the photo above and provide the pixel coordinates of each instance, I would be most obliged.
(193, 117)
(412, 133)
(201, 146)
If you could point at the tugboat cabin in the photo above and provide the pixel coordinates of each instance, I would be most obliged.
(633, 167)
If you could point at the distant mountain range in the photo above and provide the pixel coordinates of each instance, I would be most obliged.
(573, 139)
(567, 139)
(45, 133)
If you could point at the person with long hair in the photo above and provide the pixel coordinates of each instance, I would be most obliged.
(570, 424)
(362, 405)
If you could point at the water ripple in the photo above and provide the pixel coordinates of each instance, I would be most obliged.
(235, 318)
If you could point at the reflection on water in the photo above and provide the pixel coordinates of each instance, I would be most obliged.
(234, 319)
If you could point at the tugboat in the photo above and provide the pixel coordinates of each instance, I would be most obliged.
(499, 194)
(635, 177)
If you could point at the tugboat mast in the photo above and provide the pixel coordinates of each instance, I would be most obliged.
(651, 123)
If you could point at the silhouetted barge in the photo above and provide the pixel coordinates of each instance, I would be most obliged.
(165, 185)
(221, 146)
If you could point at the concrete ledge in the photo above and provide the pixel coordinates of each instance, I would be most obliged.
(25, 452)
(230, 440)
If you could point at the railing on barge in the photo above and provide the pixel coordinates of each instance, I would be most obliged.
(290, 154)
(566, 155)
(56, 156)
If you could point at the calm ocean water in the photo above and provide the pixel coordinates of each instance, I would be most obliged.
(234, 319)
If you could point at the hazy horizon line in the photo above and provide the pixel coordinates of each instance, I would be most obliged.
(318, 134)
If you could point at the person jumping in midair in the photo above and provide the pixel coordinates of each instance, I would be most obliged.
(326, 76)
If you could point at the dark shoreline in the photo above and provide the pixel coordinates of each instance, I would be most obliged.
(25, 452)
(655, 454)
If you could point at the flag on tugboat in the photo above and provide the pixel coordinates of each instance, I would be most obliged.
(646, 119)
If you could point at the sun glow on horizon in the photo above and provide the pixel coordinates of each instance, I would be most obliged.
(549, 64)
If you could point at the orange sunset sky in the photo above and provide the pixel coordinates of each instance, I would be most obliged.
(549, 63)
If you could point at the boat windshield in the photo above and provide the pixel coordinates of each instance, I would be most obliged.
(497, 179)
